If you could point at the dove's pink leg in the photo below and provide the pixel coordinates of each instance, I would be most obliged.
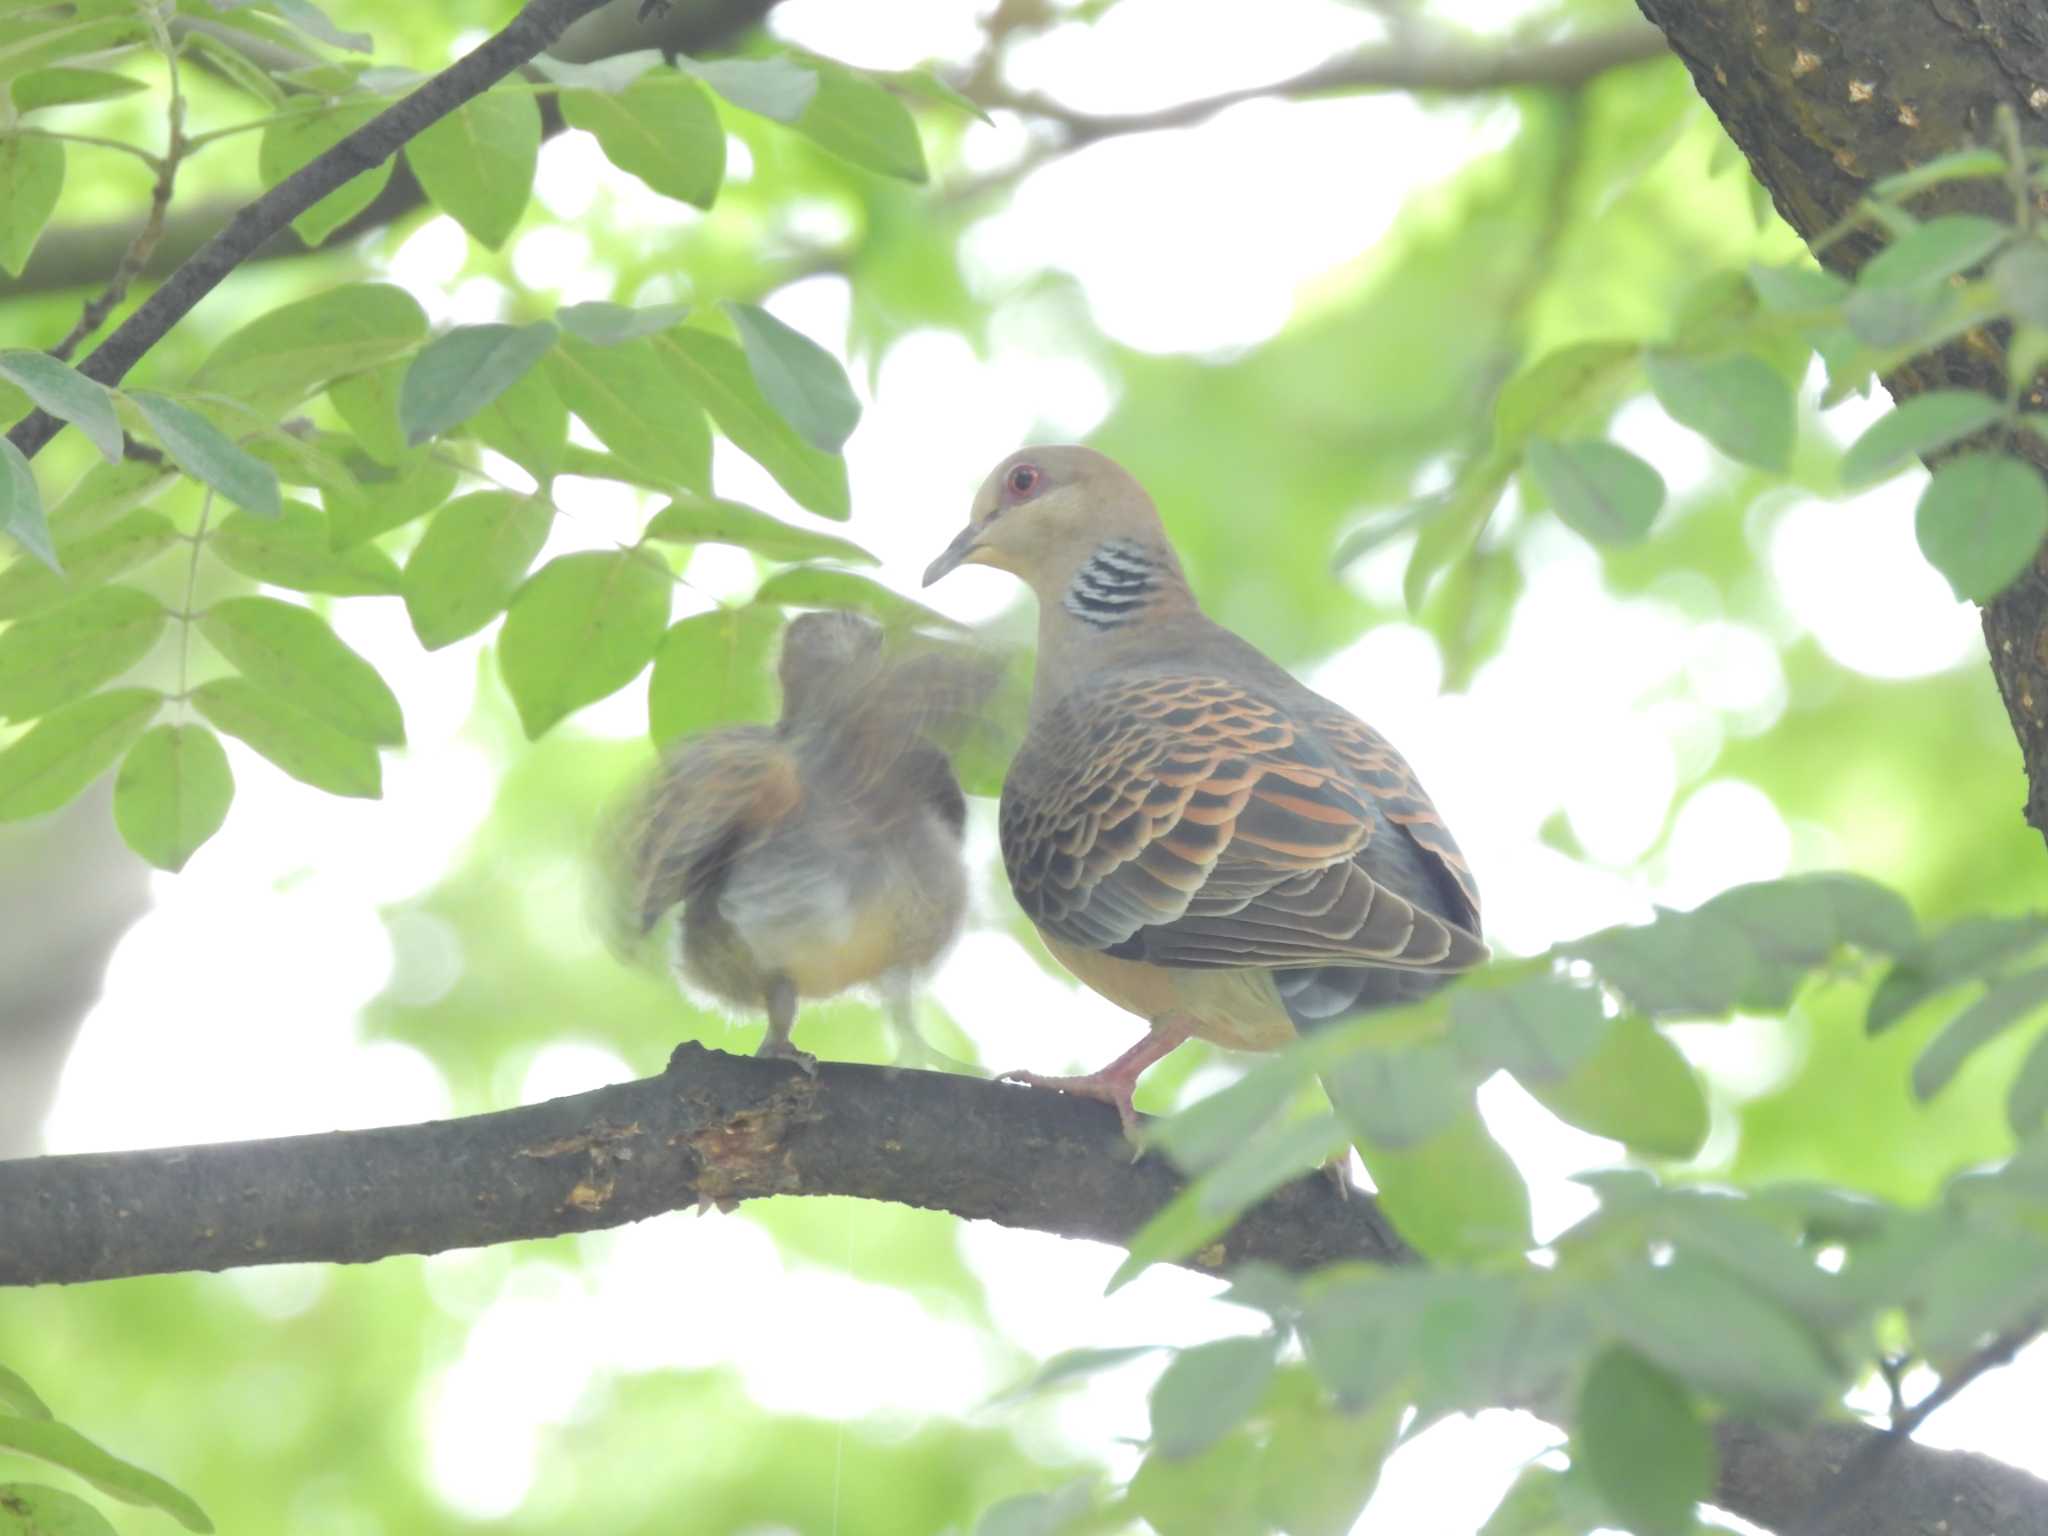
(1115, 1083)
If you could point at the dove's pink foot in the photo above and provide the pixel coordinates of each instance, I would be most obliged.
(1115, 1083)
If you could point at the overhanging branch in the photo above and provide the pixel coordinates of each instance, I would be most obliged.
(720, 1129)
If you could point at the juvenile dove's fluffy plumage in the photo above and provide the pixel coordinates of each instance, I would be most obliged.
(1197, 836)
(818, 853)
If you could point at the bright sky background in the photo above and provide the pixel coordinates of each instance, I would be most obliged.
(280, 914)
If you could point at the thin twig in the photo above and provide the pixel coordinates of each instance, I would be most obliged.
(1458, 70)
(1844, 1494)
(176, 146)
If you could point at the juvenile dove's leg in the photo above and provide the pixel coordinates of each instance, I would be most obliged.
(1115, 1083)
(913, 1051)
(781, 1020)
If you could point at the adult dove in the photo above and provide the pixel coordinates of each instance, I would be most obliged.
(816, 854)
(1197, 836)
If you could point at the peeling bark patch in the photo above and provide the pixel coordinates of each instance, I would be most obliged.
(1861, 90)
(604, 1147)
(1908, 118)
(1803, 63)
(2037, 98)
(743, 1156)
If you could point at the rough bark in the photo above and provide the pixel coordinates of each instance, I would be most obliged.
(1826, 97)
(721, 1129)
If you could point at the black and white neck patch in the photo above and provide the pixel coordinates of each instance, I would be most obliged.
(1114, 586)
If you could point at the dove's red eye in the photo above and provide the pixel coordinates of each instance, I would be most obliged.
(1023, 480)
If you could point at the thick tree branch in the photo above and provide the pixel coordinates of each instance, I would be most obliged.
(1826, 97)
(719, 1129)
(533, 29)
(1459, 69)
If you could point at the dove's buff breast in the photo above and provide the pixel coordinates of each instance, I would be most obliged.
(1238, 1009)
(774, 913)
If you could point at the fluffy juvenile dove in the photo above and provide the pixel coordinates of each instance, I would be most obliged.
(816, 854)
(1198, 837)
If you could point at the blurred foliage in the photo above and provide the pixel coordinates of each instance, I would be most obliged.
(1414, 425)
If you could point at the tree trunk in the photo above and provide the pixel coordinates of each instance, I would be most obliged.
(1826, 97)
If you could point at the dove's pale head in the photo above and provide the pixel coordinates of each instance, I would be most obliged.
(1045, 513)
(822, 655)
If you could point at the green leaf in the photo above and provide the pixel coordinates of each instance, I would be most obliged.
(31, 176)
(1209, 1390)
(65, 751)
(1980, 521)
(298, 348)
(1545, 1502)
(307, 748)
(64, 654)
(205, 453)
(661, 128)
(234, 66)
(714, 373)
(1201, 1136)
(368, 403)
(691, 519)
(1360, 1334)
(477, 163)
(927, 85)
(1956, 165)
(296, 550)
(1922, 425)
(799, 378)
(1892, 319)
(581, 627)
(1685, 964)
(2003, 1005)
(1537, 1029)
(1599, 491)
(1972, 948)
(862, 123)
(64, 87)
(1563, 389)
(69, 396)
(2026, 1103)
(2021, 277)
(606, 325)
(470, 561)
(1043, 1514)
(291, 143)
(824, 586)
(713, 669)
(313, 21)
(777, 88)
(1719, 1335)
(463, 370)
(613, 74)
(27, 588)
(35, 1509)
(21, 507)
(1933, 252)
(528, 423)
(62, 1446)
(1399, 1095)
(1450, 530)
(1738, 403)
(104, 493)
(1213, 1494)
(1454, 1197)
(1069, 1366)
(172, 793)
(1636, 1088)
(18, 1397)
(1643, 1444)
(1797, 288)
(625, 392)
(292, 651)
(390, 500)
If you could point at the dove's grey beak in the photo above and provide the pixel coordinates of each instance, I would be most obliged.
(959, 552)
